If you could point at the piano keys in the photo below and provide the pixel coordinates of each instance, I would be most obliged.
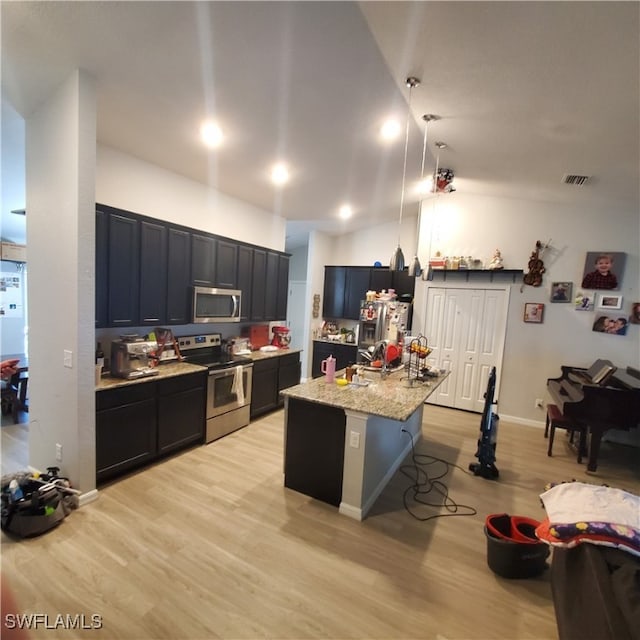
(601, 397)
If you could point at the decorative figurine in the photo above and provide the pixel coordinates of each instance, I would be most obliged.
(496, 261)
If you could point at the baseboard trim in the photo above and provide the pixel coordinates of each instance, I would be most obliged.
(89, 496)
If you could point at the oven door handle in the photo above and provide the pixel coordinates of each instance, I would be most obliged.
(223, 373)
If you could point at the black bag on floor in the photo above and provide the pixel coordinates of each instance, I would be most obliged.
(31, 506)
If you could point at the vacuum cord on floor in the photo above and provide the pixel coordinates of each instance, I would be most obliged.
(423, 485)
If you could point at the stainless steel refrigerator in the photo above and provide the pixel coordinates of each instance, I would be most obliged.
(383, 320)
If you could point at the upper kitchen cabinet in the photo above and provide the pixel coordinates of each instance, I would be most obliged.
(178, 276)
(153, 273)
(271, 287)
(383, 278)
(283, 288)
(226, 271)
(245, 278)
(344, 289)
(203, 260)
(333, 295)
(123, 274)
(102, 262)
(355, 290)
(258, 294)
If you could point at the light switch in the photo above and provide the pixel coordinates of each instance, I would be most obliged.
(68, 359)
(354, 439)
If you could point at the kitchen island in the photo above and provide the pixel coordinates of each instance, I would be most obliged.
(344, 443)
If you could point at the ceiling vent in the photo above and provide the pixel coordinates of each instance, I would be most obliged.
(575, 179)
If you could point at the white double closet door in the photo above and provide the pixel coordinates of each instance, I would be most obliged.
(465, 328)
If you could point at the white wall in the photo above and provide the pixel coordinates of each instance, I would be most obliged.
(129, 183)
(60, 179)
(471, 225)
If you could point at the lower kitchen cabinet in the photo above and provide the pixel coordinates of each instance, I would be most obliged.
(270, 376)
(344, 354)
(181, 411)
(139, 423)
(264, 394)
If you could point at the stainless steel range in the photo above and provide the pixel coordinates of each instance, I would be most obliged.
(229, 386)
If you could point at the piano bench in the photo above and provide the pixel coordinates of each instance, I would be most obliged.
(556, 420)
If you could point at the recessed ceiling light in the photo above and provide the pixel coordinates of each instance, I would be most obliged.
(279, 174)
(345, 212)
(390, 129)
(211, 134)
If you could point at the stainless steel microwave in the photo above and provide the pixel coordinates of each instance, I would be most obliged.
(216, 305)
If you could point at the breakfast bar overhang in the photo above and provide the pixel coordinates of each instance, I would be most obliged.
(343, 444)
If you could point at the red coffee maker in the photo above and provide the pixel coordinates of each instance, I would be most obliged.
(281, 337)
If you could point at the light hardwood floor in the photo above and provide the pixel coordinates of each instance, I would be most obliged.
(209, 544)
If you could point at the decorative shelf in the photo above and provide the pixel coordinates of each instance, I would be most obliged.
(475, 274)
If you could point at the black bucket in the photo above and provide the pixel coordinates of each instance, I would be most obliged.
(513, 551)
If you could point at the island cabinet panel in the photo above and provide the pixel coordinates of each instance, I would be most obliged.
(203, 257)
(181, 411)
(126, 435)
(123, 270)
(245, 279)
(264, 392)
(226, 272)
(153, 273)
(345, 354)
(178, 276)
(314, 450)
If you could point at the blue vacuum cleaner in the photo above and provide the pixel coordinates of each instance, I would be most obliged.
(486, 452)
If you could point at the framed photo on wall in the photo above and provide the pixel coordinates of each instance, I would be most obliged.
(533, 312)
(608, 301)
(561, 291)
(584, 301)
(603, 270)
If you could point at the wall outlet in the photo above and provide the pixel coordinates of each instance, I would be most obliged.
(539, 403)
(58, 452)
(68, 359)
(354, 439)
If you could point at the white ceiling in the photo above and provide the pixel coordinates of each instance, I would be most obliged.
(526, 91)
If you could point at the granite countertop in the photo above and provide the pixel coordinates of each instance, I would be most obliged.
(263, 355)
(171, 369)
(165, 370)
(389, 398)
(327, 341)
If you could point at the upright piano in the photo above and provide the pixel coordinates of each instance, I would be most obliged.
(601, 397)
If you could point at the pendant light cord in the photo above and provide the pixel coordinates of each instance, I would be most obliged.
(404, 166)
(424, 153)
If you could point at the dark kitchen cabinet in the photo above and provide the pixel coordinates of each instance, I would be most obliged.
(270, 376)
(181, 411)
(123, 270)
(355, 290)
(264, 393)
(344, 354)
(153, 273)
(282, 295)
(258, 293)
(384, 278)
(333, 294)
(178, 277)
(226, 271)
(344, 288)
(245, 279)
(380, 278)
(288, 373)
(126, 431)
(271, 286)
(138, 423)
(203, 260)
(102, 262)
